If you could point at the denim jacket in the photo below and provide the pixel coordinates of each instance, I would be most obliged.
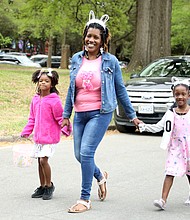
(112, 86)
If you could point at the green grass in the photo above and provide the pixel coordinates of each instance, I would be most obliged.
(16, 92)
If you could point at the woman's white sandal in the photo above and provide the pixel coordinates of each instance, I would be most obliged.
(103, 182)
(87, 206)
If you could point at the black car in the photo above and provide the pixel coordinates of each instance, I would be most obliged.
(55, 62)
(150, 91)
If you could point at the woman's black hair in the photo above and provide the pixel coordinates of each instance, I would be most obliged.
(105, 35)
(52, 74)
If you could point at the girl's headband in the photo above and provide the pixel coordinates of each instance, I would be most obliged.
(102, 21)
(48, 72)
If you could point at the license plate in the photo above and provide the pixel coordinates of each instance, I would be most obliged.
(146, 109)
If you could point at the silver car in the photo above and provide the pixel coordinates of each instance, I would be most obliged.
(20, 60)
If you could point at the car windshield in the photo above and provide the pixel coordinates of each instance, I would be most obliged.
(24, 59)
(167, 67)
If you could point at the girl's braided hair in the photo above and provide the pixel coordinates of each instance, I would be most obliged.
(52, 74)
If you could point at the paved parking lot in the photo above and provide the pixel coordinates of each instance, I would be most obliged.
(135, 164)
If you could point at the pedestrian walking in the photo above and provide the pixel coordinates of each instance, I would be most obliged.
(95, 85)
(45, 119)
(176, 139)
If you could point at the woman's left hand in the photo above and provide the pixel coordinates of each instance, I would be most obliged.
(136, 122)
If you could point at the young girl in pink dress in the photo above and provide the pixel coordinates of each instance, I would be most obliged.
(176, 139)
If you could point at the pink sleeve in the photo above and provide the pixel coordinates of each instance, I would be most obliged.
(58, 112)
(30, 125)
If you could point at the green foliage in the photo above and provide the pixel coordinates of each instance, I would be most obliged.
(181, 25)
(42, 19)
(57, 18)
(16, 92)
(121, 22)
(4, 41)
(8, 27)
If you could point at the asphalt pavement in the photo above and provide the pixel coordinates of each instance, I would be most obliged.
(135, 165)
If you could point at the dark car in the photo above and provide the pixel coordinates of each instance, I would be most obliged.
(38, 57)
(150, 91)
(55, 62)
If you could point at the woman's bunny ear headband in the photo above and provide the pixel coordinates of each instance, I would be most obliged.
(176, 82)
(102, 21)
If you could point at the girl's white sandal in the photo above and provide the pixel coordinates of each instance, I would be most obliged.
(87, 206)
(160, 204)
(187, 202)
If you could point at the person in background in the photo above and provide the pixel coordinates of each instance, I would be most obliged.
(95, 85)
(176, 126)
(45, 119)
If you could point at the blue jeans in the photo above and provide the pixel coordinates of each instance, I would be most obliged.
(88, 130)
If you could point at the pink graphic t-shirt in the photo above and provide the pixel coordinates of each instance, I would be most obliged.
(88, 86)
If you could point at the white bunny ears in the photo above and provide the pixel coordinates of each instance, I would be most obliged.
(102, 21)
(177, 81)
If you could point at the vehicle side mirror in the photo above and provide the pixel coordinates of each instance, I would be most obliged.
(134, 75)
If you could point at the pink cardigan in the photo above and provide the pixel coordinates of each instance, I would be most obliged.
(45, 119)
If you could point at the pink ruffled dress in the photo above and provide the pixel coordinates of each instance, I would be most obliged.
(178, 158)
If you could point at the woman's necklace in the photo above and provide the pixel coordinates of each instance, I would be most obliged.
(87, 56)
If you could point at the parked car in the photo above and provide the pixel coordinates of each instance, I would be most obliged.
(6, 50)
(21, 60)
(17, 53)
(38, 57)
(150, 91)
(55, 62)
(123, 64)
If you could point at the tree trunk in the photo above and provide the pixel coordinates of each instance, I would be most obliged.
(65, 52)
(50, 48)
(152, 32)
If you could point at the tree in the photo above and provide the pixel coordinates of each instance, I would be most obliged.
(121, 13)
(180, 41)
(152, 37)
(8, 27)
(44, 20)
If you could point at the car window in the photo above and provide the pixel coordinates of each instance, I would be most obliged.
(162, 68)
(56, 59)
(8, 58)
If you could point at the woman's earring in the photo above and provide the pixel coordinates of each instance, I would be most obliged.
(85, 48)
(101, 50)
